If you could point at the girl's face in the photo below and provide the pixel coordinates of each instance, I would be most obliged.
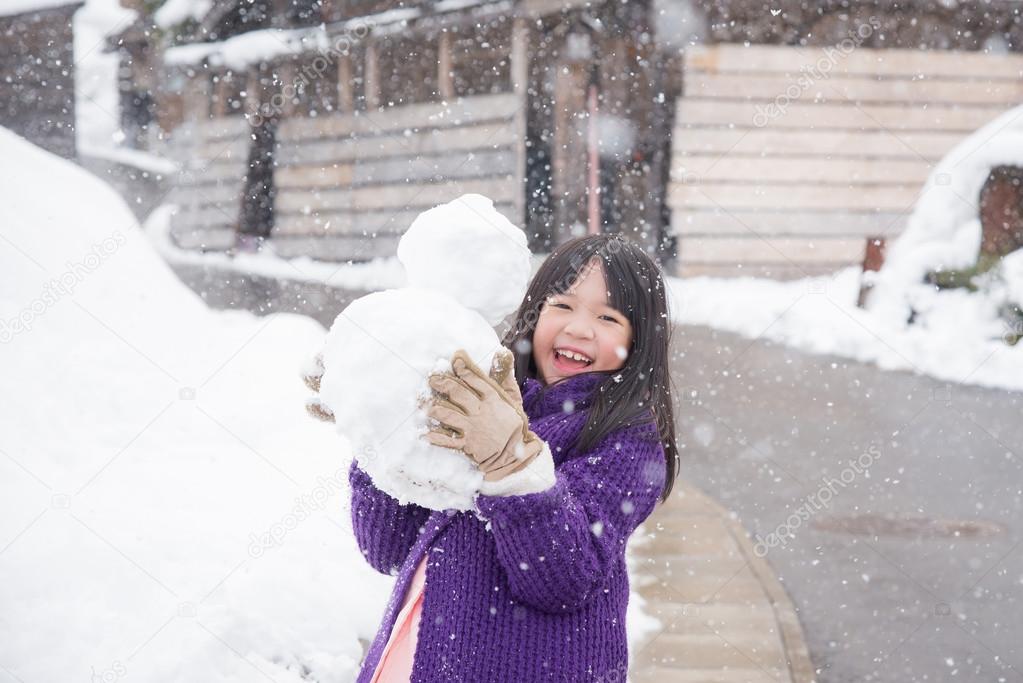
(581, 321)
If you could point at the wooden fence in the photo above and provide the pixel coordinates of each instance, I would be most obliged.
(213, 156)
(785, 158)
(349, 185)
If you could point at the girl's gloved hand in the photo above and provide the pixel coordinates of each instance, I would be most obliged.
(313, 404)
(481, 414)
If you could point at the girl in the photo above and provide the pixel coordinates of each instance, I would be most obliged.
(532, 585)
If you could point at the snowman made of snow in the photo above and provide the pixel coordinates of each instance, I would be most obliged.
(467, 267)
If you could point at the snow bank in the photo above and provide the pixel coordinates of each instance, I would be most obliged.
(169, 511)
(957, 337)
(944, 229)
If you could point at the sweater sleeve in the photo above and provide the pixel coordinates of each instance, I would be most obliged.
(559, 545)
(384, 529)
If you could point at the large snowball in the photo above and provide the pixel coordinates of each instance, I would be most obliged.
(470, 251)
(378, 355)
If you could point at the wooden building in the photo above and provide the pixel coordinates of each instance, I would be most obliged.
(327, 130)
(771, 143)
(801, 132)
(37, 78)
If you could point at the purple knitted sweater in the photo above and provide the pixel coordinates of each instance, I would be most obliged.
(528, 587)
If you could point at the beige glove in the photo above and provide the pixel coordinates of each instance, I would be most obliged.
(313, 404)
(481, 414)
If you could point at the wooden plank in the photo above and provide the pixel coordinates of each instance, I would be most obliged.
(786, 223)
(876, 143)
(774, 271)
(224, 127)
(336, 248)
(216, 172)
(519, 72)
(206, 239)
(895, 198)
(796, 250)
(845, 116)
(202, 195)
(348, 222)
(777, 88)
(300, 178)
(315, 200)
(813, 171)
(456, 113)
(421, 143)
(206, 217)
(861, 61)
(471, 164)
(500, 190)
(219, 151)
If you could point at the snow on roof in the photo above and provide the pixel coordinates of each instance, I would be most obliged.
(239, 51)
(12, 7)
(252, 47)
(174, 12)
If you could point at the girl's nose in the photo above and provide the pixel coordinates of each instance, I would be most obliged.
(580, 330)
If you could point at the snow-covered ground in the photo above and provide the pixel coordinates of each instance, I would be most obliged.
(957, 336)
(169, 510)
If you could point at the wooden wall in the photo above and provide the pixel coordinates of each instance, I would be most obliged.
(213, 155)
(348, 185)
(785, 158)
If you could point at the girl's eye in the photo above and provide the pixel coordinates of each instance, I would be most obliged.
(559, 304)
(611, 318)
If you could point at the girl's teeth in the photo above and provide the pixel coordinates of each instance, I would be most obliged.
(572, 356)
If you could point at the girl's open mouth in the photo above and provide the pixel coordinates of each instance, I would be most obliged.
(565, 364)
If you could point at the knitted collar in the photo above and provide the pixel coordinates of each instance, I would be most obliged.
(540, 400)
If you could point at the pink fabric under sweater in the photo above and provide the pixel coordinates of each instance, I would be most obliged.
(396, 661)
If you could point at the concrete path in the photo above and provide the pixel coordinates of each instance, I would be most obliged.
(725, 617)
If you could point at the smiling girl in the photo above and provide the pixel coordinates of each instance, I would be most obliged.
(574, 434)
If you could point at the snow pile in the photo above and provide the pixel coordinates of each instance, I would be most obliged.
(958, 336)
(944, 231)
(1012, 274)
(468, 268)
(169, 510)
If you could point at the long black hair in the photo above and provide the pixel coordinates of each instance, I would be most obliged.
(642, 391)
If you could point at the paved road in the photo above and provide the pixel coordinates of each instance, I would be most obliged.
(907, 565)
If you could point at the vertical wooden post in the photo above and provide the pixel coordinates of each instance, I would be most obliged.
(445, 79)
(873, 259)
(372, 78)
(519, 71)
(345, 85)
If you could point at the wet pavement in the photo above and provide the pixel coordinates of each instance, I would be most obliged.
(887, 504)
